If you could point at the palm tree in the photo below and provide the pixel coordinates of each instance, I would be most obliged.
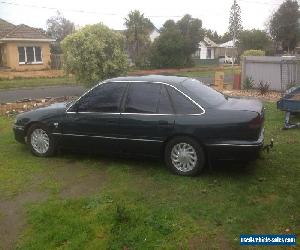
(137, 33)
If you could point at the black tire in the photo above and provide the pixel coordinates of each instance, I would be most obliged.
(50, 149)
(199, 163)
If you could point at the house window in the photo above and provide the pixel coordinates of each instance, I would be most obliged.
(198, 52)
(30, 55)
(208, 54)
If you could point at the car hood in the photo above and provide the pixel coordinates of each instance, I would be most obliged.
(44, 112)
(243, 104)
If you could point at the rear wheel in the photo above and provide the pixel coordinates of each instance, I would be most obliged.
(40, 140)
(184, 156)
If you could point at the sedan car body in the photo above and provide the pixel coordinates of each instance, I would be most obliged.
(179, 118)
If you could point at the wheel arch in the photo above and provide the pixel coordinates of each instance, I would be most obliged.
(201, 144)
(30, 124)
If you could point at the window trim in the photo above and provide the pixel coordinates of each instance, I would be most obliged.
(125, 95)
(34, 57)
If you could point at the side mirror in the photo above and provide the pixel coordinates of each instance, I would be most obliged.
(74, 107)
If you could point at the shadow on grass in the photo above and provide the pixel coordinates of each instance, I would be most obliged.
(144, 163)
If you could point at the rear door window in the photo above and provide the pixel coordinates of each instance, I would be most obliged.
(164, 105)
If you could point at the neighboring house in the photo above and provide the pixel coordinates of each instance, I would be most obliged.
(23, 47)
(208, 49)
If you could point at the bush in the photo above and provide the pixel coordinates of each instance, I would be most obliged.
(253, 52)
(249, 83)
(94, 53)
(263, 87)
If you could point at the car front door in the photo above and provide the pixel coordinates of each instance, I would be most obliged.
(93, 122)
(146, 120)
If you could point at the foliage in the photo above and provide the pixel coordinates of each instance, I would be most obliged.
(253, 40)
(58, 27)
(263, 87)
(176, 43)
(253, 52)
(213, 35)
(94, 53)
(138, 36)
(284, 25)
(235, 21)
(249, 83)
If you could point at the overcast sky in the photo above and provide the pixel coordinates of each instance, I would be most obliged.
(213, 13)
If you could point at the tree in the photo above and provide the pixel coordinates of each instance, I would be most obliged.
(235, 21)
(213, 35)
(58, 27)
(253, 40)
(137, 34)
(176, 43)
(94, 53)
(284, 25)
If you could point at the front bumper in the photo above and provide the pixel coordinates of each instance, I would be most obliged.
(19, 132)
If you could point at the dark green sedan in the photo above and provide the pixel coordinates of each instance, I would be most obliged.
(177, 118)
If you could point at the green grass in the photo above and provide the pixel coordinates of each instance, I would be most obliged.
(208, 73)
(141, 205)
(35, 82)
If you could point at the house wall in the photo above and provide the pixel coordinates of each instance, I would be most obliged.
(11, 56)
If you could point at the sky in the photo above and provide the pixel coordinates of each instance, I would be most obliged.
(213, 13)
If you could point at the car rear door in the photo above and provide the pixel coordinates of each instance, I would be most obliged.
(93, 123)
(147, 119)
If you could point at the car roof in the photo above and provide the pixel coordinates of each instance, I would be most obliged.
(172, 80)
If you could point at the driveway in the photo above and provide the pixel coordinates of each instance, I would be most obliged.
(40, 92)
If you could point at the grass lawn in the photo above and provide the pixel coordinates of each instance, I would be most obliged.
(36, 82)
(89, 202)
(208, 73)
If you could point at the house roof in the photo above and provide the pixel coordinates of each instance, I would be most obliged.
(8, 31)
(229, 44)
(209, 43)
(5, 27)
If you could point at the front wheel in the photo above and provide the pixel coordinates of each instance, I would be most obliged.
(184, 156)
(40, 141)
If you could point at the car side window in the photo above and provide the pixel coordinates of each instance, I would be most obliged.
(164, 105)
(105, 98)
(142, 98)
(182, 104)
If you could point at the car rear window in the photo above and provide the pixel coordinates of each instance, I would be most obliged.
(202, 94)
(182, 104)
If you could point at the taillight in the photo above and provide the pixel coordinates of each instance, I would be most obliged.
(256, 122)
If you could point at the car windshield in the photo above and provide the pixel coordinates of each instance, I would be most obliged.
(203, 94)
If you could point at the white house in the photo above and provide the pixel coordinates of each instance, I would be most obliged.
(208, 49)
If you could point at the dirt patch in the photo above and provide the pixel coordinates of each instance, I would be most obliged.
(272, 96)
(12, 220)
(78, 181)
(75, 180)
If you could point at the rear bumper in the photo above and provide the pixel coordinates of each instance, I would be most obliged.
(237, 150)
